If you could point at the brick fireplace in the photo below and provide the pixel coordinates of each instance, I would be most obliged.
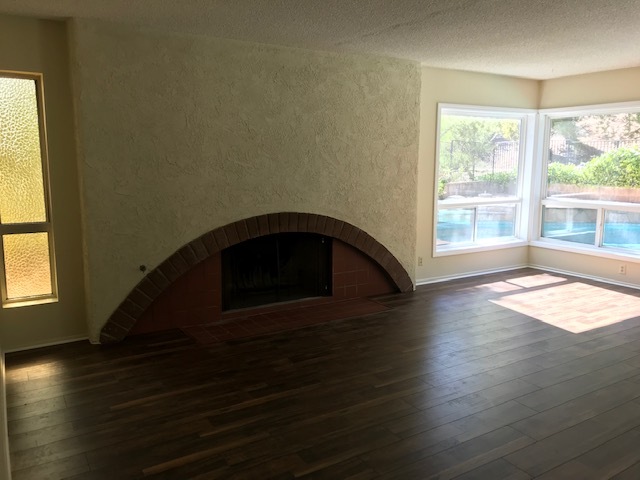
(186, 289)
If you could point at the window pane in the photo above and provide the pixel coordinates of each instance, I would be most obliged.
(576, 225)
(621, 230)
(595, 157)
(27, 265)
(455, 226)
(496, 221)
(478, 157)
(21, 184)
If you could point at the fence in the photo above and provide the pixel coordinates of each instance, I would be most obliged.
(465, 161)
(576, 152)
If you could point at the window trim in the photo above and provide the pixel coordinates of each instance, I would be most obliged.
(33, 227)
(540, 165)
(522, 199)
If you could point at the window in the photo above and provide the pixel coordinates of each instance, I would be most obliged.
(591, 179)
(27, 273)
(480, 170)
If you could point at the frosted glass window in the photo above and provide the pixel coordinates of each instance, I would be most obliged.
(27, 265)
(27, 275)
(21, 182)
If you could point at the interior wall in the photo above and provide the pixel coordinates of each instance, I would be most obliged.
(604, 87)
(5, 461)
(592, 89)
(30, 45)
(182, 134)
(451, 86)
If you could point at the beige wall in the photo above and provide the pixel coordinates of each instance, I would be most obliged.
(5, 461)
(183, 134)
(451, 86)
(605, 87)
(41, 46)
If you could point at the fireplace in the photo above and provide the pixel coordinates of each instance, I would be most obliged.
(276, 268)
(186, 289)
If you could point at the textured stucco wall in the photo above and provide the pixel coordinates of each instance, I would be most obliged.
(181, 134)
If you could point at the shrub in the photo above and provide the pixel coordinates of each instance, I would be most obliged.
(441, 186)
(499, 178)
(617, 168)
(567, 174)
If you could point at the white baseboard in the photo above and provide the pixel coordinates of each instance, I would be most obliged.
(583, 275)
(446, 278)
(5, 460)
(49, 344)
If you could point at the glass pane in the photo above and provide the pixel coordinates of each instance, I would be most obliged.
(496, 221)
(21, 185)
(478, 157)
(27, 267)
(455, 226)
(595, 157)
(576, 225)
(621, 230)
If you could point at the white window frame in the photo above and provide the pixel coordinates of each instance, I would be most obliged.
(544, 129)
(522, 200)
(32, 227)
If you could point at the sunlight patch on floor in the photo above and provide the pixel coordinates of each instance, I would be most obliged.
(575, 307)
(540, 280)
(495, 287)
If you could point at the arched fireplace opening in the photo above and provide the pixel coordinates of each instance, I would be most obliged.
(280, 267)
(187, 288)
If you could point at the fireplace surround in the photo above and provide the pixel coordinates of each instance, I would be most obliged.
(209, 245)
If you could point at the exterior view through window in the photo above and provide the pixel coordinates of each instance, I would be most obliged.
(591, 187)
(479, 184)
(26, 260)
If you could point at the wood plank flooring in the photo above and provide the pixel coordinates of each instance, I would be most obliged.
(455, 380)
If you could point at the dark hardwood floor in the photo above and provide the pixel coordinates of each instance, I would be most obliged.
(515, 375)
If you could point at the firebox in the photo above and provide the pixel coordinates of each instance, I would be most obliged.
(276, 268)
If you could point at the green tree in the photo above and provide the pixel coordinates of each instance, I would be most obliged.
(467, 144)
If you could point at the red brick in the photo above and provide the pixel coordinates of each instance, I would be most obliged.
(221, 238)
(321, 224)
(263, 225)
(312, 223)
(199, 249)
(293, 222)
(303, 222)
(329, 224)
(243, 231)
(252, 227)
(209, 241)
(150, 289)
(338, 225)
(232, 234)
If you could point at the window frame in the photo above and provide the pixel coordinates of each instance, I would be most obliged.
(546, 116)
(522, 199)
(32, 227)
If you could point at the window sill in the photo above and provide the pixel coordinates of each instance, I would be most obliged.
(29, 302)
(587, 250)
(476, 248)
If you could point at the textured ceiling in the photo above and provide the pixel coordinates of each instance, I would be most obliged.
(527, 38)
